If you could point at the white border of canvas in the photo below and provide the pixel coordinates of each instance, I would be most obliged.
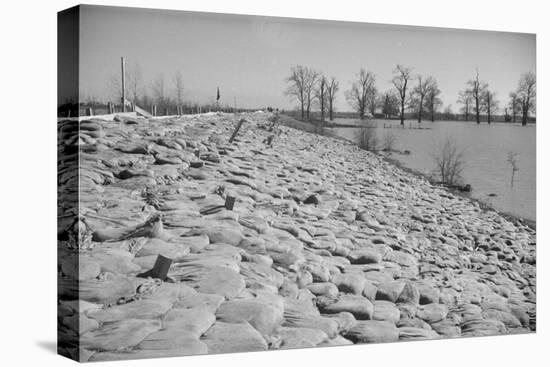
(28, 154)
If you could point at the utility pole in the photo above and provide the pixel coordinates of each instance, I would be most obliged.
(122, 64)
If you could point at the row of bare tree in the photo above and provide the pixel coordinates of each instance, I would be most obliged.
(162, 92)
(479, 99)
(413, 92)
(311, 88)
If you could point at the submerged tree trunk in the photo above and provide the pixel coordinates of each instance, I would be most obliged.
(420, 110)
(308, 106)
(477, 110)
(488, 107)
(322, 100)
(402, 111)
(302, 103)
(525, 104)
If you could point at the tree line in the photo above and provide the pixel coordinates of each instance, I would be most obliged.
(167, 94)
(418, 94)
(478, 98)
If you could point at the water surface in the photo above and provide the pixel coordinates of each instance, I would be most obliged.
(485, 149)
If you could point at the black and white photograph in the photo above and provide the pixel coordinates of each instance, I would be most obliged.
(237, 183)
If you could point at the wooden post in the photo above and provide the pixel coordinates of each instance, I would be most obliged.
(159, 270)
(229, 202)
(122, 64)
(236, 130)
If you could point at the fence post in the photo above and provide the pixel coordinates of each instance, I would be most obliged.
(236, 130)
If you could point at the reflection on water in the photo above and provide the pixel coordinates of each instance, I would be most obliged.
(485, 149)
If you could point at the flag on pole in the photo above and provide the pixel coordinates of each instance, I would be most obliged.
(218, 95)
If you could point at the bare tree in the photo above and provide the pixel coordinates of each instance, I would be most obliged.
(159, 91)
(466, 99)
(489, 104)
(513, 162)
(373, 103)
(477, 88)
(321, 95)
(390, 104)
(448, 112)
(332, 88)
(134, 79)
(297, 81)
(309, 89)
(132, 86)
(527, 93)
(113, 86)
(449, 161)
(432, 99)
(367, 138)
(361, 92)
(514, 105)
(388, 141)
(178, 88)
(419, 93)
(401, 77)
(301, 87)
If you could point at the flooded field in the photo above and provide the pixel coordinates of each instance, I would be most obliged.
(486, 148)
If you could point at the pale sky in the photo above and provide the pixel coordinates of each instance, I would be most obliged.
(248, 57)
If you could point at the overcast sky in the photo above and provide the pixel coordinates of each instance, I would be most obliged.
(248, 57)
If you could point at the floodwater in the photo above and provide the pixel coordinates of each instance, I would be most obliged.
(486, 149)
